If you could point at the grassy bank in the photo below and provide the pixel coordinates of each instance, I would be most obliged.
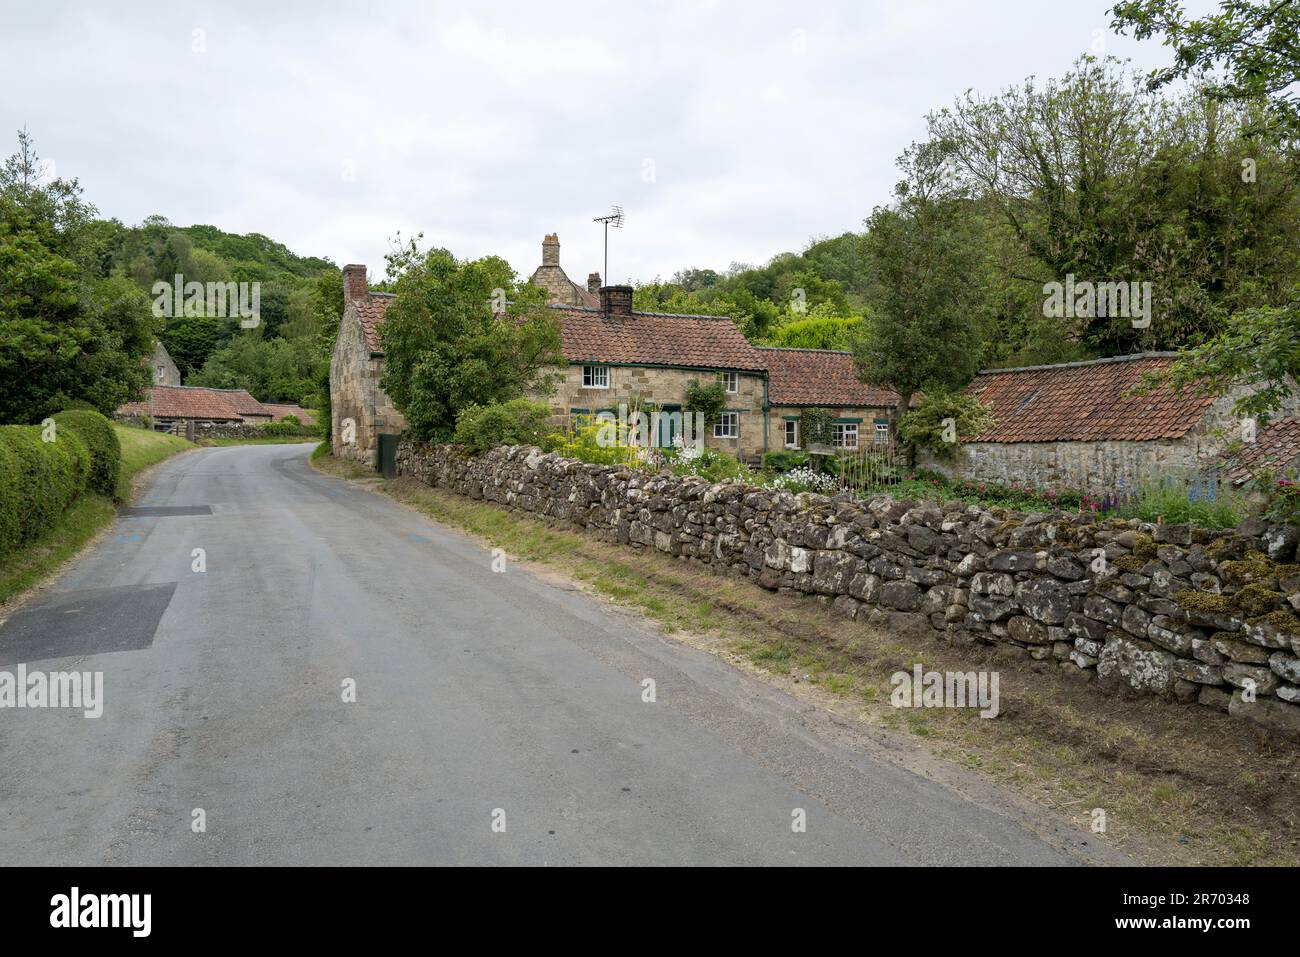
(90, 513)
(1179, 784)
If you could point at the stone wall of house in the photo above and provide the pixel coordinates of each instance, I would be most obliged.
(355, 395)
(1169, 610)
(628, 384)
(778, 414)
(162, 370)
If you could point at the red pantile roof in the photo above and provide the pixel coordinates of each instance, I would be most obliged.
(279, 411)
(1276, 446)
(819, 377)
(372, 317)
(185, 402)
(244, 403)
(656, 338)
(1085, 402)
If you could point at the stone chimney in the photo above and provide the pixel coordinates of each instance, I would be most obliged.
(616, 301)
(593, 282)
(354, 284)
(551, 250)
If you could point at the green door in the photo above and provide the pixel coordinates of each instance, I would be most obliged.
(670, 425)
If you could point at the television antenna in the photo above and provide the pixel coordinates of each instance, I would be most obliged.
(614, 219)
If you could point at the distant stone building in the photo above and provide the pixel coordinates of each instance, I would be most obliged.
(161, 366)
(169, 407)
(360, 411)
(1073, 425)
(560, 289)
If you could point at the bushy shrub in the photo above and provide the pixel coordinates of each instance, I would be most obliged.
(288, 426)
(784, 461)
(710, 464)
(600, 442)
(943, 420)
(38, 480)
(517, 422)
(97, 434)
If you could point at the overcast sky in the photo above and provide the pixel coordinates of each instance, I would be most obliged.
(729, 132)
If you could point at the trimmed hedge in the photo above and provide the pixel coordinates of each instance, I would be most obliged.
(105, 449)
(38, 480)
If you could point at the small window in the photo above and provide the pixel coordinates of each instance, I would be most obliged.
(882, 433)
(727, 426)
(731, 381)
(845, 435)
(595, 377)
(161, 372)
(791, 433)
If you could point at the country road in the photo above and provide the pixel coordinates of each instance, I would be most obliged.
(479, 695)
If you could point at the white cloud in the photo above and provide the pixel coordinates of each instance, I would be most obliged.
(766, 123)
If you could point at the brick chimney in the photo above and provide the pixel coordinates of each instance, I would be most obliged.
(551, 250)
(354, 284)
(593, 282)
(616, 301)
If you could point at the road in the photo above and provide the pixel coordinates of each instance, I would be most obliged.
(481, 697)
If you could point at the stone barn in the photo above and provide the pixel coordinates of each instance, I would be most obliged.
(360, 411)
(1073, 426)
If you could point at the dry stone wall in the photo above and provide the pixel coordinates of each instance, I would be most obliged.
(1172, 610)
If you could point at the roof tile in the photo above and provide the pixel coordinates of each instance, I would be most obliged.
(819, 377)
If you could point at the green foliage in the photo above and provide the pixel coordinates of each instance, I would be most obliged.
(1251, 51)
(600, 442)
(1259, 348)
(816, 426)
(445, 347)
(826, 332)
(1283, 501)
(289, 427)
(709, 464)
(942, 419)
(708, 400)
(38, 480)
(271, 369)
(100, 440)
(515, 422)
(784, 461)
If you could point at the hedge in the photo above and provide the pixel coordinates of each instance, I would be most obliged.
(105, 449)
(38, 480)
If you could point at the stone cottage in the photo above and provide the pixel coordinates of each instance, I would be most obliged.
(360, 411)
(619, 356)
(170, 407)
(1073, 425)
(799, 379)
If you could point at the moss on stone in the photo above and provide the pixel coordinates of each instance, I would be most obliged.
(1255, 599)
(1285, 622)
(1130, 563)
(1144, 546)
(1255, 568)
(1206, 602)
(1007, 526)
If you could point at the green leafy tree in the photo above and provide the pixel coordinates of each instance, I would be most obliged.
(942, 420)
(1250, 49)
(461, 334)
(708, 399)
(920, 333)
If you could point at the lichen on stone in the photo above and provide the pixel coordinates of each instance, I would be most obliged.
(1285, 622)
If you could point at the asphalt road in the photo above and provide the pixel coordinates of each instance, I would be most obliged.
(480, 696)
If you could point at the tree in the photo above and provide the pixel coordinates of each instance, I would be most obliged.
(920, 332)
(272, 369)
(1254, 47)
(461, 334)
(67, 334)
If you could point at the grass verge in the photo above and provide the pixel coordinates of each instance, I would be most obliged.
(1178, 784)
(35, 560)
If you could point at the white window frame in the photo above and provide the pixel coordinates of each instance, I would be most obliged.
(591, 376)
(727, 426)
(731, 382)
(882, 433)
(791, 443)
(840, 432)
